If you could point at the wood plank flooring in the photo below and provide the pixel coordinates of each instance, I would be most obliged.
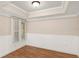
(34, 52)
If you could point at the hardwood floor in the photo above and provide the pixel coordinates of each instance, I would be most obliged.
(34, 52)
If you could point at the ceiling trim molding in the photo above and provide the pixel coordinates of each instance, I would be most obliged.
(3, 4)
(18, 8)
(65, 5)
(51, 11)
(51, 18)
(12, 10)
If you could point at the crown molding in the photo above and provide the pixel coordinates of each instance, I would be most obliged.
(16, 11)
(51, 11)
(3, 4)
(12, 10)
(18, 8)
(51, 18)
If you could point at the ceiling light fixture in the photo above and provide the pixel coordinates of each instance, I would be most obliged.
(35, 3)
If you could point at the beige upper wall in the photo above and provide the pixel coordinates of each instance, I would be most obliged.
(63, 26)
(5, 25)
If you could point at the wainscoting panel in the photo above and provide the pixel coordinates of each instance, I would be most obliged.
(63, 43)
(7, 45)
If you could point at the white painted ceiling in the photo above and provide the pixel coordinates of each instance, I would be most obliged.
(72, 8)
(27, 5)
(46, 8)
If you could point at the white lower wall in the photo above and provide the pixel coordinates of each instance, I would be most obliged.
(7, 45)
(62, 43)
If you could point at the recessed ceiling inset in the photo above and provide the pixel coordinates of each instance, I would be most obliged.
(27, 5)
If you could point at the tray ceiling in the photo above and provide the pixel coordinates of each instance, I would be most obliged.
(46, 9)
(27, 5)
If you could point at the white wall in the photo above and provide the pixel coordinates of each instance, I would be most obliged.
(62, 43)
(60, 34)
(7, 45)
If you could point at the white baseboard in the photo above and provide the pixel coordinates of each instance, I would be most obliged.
(63, 43)
(7, 45)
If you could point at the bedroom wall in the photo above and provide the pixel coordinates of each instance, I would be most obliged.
(5, 26)
(7, 44)
(61, 34)
(65, 26)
